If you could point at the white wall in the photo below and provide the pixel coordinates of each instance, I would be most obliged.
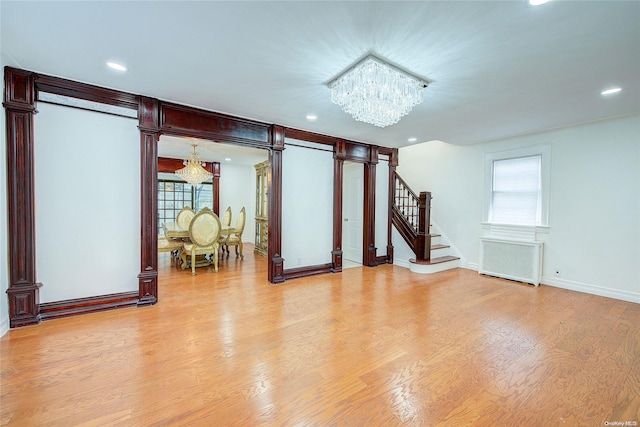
(238, 190)
(87, 193)
(307, 206)
(4, 256)
(594, 234)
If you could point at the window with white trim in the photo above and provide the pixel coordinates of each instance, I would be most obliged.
(174, 195)
(517, 187)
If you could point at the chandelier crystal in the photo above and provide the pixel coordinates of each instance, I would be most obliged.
(193, 171)
(375, 92)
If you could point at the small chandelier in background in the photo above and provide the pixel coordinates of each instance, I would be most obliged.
(375, 92)
(193, 171)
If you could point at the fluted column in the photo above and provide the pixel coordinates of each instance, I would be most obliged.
(274, 253)
(148, 113)
(20, 107)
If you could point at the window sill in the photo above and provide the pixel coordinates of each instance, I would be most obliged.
(519, 232)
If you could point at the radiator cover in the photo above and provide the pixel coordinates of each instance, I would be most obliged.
(511, 259)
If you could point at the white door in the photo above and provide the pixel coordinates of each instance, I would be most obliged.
(352, 211)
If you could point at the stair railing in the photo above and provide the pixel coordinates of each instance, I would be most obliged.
(411, 216)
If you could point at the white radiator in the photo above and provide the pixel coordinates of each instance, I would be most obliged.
(511, 259)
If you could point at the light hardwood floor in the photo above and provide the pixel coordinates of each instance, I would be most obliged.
(368, 347)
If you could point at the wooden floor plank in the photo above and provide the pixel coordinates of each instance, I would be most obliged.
(369, 346)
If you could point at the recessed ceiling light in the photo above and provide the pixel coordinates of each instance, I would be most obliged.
(412, 139)
(311, 117)
(227, 159)
(116, 66)
(611, 91)
(537, 2)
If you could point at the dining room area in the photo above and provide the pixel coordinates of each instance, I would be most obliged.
(212, 201)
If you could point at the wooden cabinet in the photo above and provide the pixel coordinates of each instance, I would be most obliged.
(262, 225)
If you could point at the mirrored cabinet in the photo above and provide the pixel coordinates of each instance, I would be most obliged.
(262, 226)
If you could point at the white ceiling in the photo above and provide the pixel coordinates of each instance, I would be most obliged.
(179, 148)
(497, 68)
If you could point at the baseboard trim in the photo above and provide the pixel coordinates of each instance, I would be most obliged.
(471, 266)
(74, 307)
(591, 289)
(295, 273)
(401, 263)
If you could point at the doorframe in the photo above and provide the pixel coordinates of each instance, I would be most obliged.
(361, 214)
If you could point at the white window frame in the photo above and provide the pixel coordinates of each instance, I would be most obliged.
(544, 151)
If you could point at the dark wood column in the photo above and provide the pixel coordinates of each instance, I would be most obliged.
(338, 176)
(19, 104)
(216, 187)
(274, 253)
(369, 232)
(149, 134)
(393, 163)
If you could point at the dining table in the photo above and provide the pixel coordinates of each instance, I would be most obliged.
(172, 231)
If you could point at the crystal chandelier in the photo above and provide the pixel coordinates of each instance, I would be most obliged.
(193, 171)
(375, 92)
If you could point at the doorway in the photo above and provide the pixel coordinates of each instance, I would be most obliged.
(352, 214)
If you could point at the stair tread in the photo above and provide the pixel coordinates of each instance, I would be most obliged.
(434, 235)
(439, 247)
(437, 260)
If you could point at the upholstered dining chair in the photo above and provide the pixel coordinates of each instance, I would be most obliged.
(226, 224)
(184, 217)
(169, 245)
(235, 237)
(226, 218)
(204, 232)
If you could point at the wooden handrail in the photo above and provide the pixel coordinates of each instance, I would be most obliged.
(411, 216)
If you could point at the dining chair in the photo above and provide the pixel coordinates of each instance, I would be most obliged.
(169, 245)
(184, 217)
(226, 224)
(235, 237)
(226, 218)
(204, 232)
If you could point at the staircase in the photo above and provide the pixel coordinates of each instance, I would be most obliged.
(411, 215)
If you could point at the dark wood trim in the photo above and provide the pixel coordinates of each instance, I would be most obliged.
(274, 253)
(386, 151)
(382, 259)
(180, 120)
(155, 117)
(19, 91)
(60, 86)
(338, 177)
(295, 273)
(167, 165)
(23, 291)
(423, 249)
(369, 215)
(24, 305)
(215, 169)
(393, 163)
(149, 136)
(355, 152)
(303, 135)
(73, 307)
